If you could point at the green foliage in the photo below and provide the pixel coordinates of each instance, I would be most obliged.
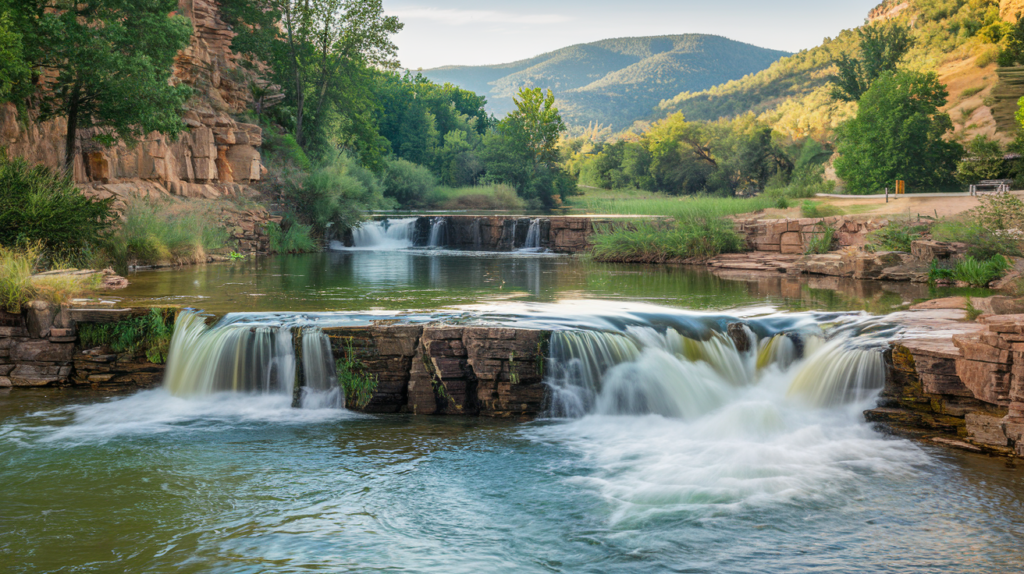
(896, 236)
(16, 266)
(150, 333)
(407, 183)
(107, 64)
(15, 72)
(483, 197)
(38, 205)
(822, 240)
(297, 239)
(898, 134)
(816, 209)
(984, 161)
(357, 385)
(972, 312)
(974, 272)
(882, 46)
(335, 194)
(323, 53)
(164, 232)
(645, 242)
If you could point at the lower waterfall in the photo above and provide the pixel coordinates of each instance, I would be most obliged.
(243, 357)
(644, 370)
(385, 235)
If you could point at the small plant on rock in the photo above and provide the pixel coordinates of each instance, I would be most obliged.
(353, 380)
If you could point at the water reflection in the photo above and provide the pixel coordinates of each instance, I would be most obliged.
(431, 279)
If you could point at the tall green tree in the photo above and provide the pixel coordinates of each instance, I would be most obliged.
(106, 64)
(536, 125)
(882, 46)
(898, 134)
(15, 71)
(319, 51)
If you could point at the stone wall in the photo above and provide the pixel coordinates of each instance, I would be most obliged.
(487, 371)
(792, 236)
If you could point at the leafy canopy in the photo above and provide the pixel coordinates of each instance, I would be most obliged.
(898, 134)
(882, 46)
(106, 64)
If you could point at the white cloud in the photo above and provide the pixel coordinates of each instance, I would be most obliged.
(457, 17)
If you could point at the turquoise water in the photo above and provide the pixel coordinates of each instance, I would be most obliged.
(151, 483)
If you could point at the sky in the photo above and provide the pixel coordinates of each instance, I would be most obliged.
(478, 32)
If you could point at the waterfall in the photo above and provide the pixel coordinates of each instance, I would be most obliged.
(478, 238)
(321, 388)
(644, 370)
(438, 232)
(532, 236)
(242, 357)
(385, 235)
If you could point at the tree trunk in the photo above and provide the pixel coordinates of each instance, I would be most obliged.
(69, 139)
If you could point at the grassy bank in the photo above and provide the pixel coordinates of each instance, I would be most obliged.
(18, 286)
(697, 226)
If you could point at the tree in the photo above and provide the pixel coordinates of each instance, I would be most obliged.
(882, 46)
(106, 64)
(317, 49)
(15, 72)
(536, 125)
(898, 134)
(985, 161)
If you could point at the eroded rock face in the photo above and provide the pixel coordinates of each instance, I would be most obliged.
(1010, 9)
(214, 149)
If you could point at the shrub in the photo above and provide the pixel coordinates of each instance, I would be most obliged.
(352, 378)
(984, 161)
(38, 205)
(702, 237)
(336, 194)
(150, 333)
(896, 236)
(822, 240)
(994, 227)
(166, 232)
(297, 239)
(974, 272)
(18, 286)
(812, 209)
(408, 183)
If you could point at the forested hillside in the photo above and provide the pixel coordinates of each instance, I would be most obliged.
(614, 82)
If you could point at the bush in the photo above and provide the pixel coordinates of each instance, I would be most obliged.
(896, 236)
(804, 182)
(822, 240)
(812, 209)
(336, 195)
(484, 198)
(645, 242)
(169, 233)
(40, 206)
(18, 286)
(150, 333)
(974, 272)
(407, 183)
(297, 239)
(996, 227)
(984, 161)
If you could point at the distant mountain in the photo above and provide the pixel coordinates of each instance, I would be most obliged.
(614, 82)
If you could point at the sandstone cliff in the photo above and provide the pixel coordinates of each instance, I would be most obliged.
(1009, 9)
(215, 156)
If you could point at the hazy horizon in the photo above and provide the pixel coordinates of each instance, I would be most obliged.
(462, 32)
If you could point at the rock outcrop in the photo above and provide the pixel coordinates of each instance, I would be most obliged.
(1010, 9)
(213, 157)
(793, 236)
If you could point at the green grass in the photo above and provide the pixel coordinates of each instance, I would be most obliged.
(821, 241)
(647, 242)
(896, 236)
(602, 202)
(164, 233)
(974, 272)
(816, 209)
(356, 384)
(298, 238)
(150, 333)
(18, 286)
(482, 197)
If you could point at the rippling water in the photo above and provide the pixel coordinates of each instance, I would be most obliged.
(241, 483)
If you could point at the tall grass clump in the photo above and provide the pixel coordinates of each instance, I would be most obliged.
(493, 197)
(816, 209)
(647, 242)
(296, 239)
(679, 208)
(164, 233)
(18, 286)
(40, 206)
(822, 240)
(974, 272)
(898, 235)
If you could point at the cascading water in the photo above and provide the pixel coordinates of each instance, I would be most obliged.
(532, 236)
(438, 232)
(644, 370)
(385, 235)
(478, 236)
(250, 358)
